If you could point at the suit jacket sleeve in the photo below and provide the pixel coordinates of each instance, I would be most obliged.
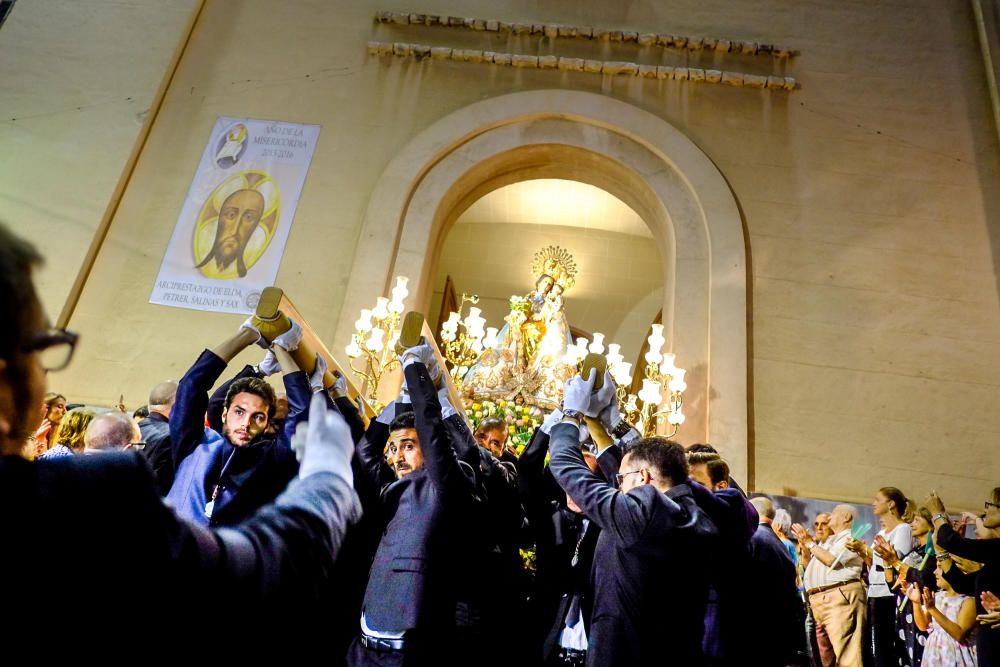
(622, 514)
(187, 419)
(981, 551)
(299, 395)
(440, 458)
(352, 416)
(608, 462)
(372, 461)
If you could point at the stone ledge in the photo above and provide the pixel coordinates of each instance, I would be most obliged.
(602, 67)
(555, 30)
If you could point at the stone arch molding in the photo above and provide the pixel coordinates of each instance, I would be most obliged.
(635, 155)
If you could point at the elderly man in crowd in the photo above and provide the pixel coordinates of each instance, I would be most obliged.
(111, 432)
(836, 593)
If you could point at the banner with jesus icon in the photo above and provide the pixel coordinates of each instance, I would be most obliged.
(231, 231)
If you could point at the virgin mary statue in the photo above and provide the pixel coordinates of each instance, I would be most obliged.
(526, 364)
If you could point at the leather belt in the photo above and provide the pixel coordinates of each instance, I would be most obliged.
(572, 657)
(830, 587)
(380, 644)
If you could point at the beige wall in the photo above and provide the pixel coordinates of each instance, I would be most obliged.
(78, 79)
(869, 198)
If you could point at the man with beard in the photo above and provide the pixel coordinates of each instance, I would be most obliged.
(225, 474)
(238, 218)
(417, 609)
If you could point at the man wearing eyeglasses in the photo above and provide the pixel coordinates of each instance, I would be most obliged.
(650, 575)
(132, 557)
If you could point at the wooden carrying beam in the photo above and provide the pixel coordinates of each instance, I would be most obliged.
(388, 388)
(310, 346)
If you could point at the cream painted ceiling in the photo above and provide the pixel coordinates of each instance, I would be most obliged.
(551, 201)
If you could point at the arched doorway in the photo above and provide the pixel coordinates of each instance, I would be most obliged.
(634, 155)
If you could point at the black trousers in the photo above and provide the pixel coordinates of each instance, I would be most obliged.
(886, 644)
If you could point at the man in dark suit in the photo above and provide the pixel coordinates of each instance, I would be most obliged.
(155, 429)
(223, 474)
(773, 594)
(564, 552)
(650, 577)
(417, 610)
(133, 558)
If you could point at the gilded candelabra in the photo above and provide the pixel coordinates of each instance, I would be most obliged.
(372, 350)
(462, 349)
(661, 374)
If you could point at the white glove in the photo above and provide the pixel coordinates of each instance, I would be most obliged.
(323, 444)
(603, 397)
(388, 414)
(316, 379)
(290, 339)
(260, 339)
(577, 391)
(269, 364)
(447, 409)
(610, 416)
(339, 387)
(424, 354)
(554, 418)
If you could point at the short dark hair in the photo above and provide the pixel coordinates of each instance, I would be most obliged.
(667, 458)
(19, 308)
(701, 447)
(141, 412)
(718, 471)
(701, 457)
(404, 420)
(491, 424)
(255, 386)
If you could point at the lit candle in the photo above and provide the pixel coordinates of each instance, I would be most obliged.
(399, 294)
(364, 323)
(375, 340)
(650, 393)
(490, 341)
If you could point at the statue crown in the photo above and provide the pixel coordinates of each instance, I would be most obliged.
(557, 263)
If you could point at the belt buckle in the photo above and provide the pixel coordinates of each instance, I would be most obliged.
(380, 644)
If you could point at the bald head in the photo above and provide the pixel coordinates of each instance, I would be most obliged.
(110, 432)
(842, 517)
(764, 507)
(161, 397)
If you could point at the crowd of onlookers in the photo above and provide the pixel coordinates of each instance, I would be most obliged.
(293, 521)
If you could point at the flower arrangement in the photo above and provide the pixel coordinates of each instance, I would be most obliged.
(522, 420)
